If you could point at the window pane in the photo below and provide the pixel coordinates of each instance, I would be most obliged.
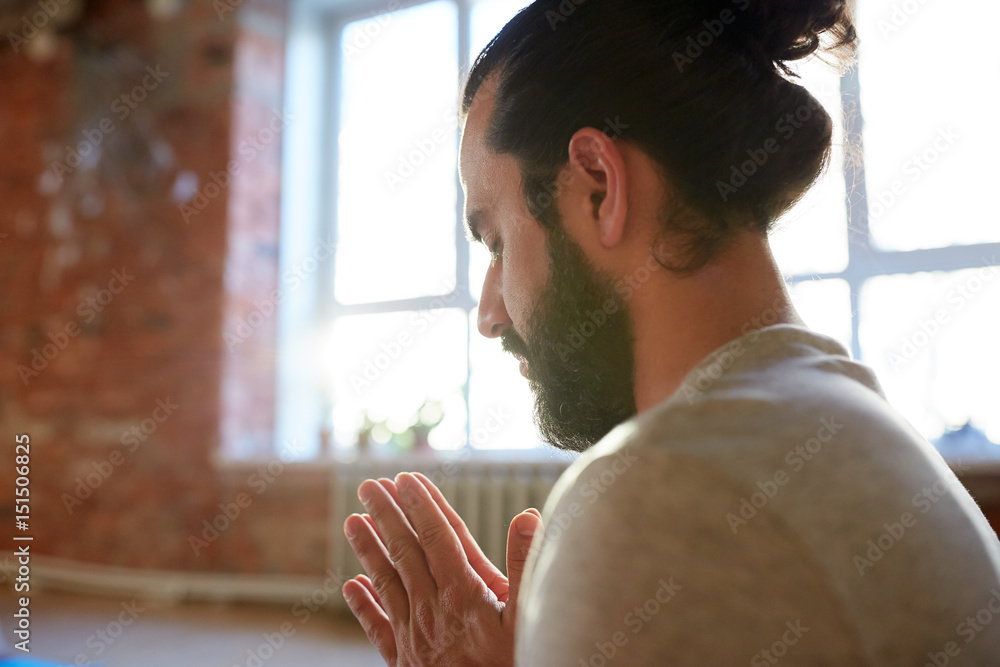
(390, 365)
(825, 305)
(930, 122)
(500, 403)
(932, 340)
(812, 237)
(396, 180)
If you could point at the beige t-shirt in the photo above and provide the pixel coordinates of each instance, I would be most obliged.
(775, 509)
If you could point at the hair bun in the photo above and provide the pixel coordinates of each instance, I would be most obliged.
(780, 31)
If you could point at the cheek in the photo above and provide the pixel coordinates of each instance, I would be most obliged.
(525, 271)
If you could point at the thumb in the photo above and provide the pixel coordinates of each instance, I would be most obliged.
(522, 530)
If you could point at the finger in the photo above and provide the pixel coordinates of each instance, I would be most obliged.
(401, 543)
(372, 618)
(375, 560)
(502, 590)
(483, 566)
(390, 486)
(442, 548)
(522, 530)
(367, 583)
(371, 522)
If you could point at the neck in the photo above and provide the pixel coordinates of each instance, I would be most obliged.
(680, 320)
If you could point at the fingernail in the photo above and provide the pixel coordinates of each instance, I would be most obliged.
(347, 593)
(364, 492)
(403, 486)
(526, 528)
(349, 528)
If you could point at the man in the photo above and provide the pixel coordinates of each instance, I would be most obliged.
(745, 493)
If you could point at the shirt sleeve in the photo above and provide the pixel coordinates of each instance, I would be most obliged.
(638, 564)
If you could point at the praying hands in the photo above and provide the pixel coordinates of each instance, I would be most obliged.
(431, 596)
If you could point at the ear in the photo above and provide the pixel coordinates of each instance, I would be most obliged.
(596, 160)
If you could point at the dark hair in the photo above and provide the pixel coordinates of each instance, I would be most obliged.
(700, 86)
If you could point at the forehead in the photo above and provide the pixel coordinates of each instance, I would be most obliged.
(490, 180)
(475, 159)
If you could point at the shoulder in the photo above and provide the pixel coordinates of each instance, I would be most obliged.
(636, 546)
(777, 365)
(762, 394)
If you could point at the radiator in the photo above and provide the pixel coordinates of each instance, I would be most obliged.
(487, 495)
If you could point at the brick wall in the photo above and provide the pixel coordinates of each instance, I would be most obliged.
(115, 297)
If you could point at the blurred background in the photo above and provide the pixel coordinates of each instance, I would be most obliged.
(236, 283)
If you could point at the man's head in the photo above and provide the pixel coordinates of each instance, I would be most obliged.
(551, 307)
(593, 143)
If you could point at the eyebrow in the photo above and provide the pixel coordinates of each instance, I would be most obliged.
(472, 221)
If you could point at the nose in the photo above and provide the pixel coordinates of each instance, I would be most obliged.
(493, 317)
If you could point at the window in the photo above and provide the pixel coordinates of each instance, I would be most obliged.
(889, 253)
(907, 275)
(403, 363)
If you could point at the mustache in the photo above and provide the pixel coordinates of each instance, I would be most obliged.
(512, 343)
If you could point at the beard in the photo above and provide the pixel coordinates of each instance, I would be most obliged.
(579, 349)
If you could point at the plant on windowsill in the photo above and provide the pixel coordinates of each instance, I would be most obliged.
(390, 437)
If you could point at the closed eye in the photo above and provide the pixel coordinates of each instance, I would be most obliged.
(494, 250)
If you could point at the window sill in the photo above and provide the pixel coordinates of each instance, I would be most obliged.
(467, 455)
